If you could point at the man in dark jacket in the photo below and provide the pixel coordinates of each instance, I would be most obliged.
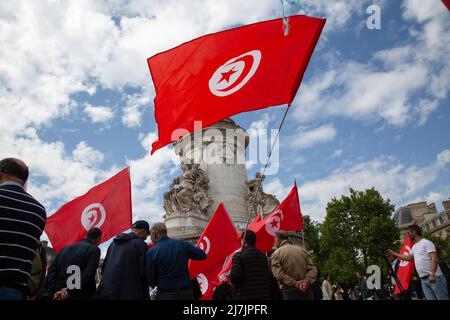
(250, 273)
(123, 272)
(167, 265)
(85, 255)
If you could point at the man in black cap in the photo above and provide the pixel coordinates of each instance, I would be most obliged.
(123, 276)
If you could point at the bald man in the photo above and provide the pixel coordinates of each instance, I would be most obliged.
(22, 221)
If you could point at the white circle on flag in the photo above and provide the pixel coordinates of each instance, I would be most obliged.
(404, 263)
(205, 244)
(93, 215)
(234, 74)
(203, 282)
(273, 224)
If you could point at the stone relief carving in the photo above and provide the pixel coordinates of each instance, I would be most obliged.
(188, 193)
(264, 202)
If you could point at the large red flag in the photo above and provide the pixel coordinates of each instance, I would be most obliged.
(287, 216)
(218, 240)
(406, 268)
(447, 4)
(106, 206)
(221, 74)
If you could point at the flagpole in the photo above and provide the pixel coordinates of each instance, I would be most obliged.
(303, 239)
(263, 172)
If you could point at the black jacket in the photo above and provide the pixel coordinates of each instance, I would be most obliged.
(123, 276)
(251, 275)
(83, 254)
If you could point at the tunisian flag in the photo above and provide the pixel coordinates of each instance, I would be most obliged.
(221, 74)
(287, 216)
(447, 4)
(106, 206)
(208, 281)
(218, 240)
(406, 268)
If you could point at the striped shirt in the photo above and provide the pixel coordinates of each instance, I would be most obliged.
(22, 221)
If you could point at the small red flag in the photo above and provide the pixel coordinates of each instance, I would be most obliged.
(208, 281)
(224, 274)
(287, 216)
(221, 74)
(447, 4)
(106, 206)
(218, 240)
(406, 268)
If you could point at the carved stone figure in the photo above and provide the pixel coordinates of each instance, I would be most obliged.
(264, 202)
(188, 193)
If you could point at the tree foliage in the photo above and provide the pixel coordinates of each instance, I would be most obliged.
(442, 246)
(359, 227)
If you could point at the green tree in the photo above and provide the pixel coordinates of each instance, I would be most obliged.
(361, 225)
(312, 233)
(442, 246)
(341, 265)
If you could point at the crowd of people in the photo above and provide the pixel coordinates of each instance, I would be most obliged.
(133, 271)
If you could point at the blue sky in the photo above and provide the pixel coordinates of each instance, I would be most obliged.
(76, 97)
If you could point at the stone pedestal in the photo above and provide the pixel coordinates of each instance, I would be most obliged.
(215, 156)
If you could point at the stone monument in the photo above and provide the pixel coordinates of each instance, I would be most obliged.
(213, 171)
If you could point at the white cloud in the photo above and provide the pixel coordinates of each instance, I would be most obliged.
(393, 179)
(149, 179)
(361, 91)
(303, 139)
(443, 158)
(86, 154)
(337, 153)
(382, 88)
(98, 113)
(135, 105)
(276, 187)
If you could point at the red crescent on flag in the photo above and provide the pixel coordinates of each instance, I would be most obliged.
(248, 61)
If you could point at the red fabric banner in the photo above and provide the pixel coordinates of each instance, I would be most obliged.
(406, 268)
(287, 216)
(221, 74)
(106, 206)
(218, 240)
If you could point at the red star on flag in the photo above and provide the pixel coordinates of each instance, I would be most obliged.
(274, 223)
(226, 75)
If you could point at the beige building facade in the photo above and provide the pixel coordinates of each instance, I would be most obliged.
(426, 216)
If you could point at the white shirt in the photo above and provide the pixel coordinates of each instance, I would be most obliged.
(422, 259)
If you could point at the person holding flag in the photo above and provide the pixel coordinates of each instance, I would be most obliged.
(425, 259)
(167, 265)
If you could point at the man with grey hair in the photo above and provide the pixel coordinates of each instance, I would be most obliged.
(167, 265)
(293, 269)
